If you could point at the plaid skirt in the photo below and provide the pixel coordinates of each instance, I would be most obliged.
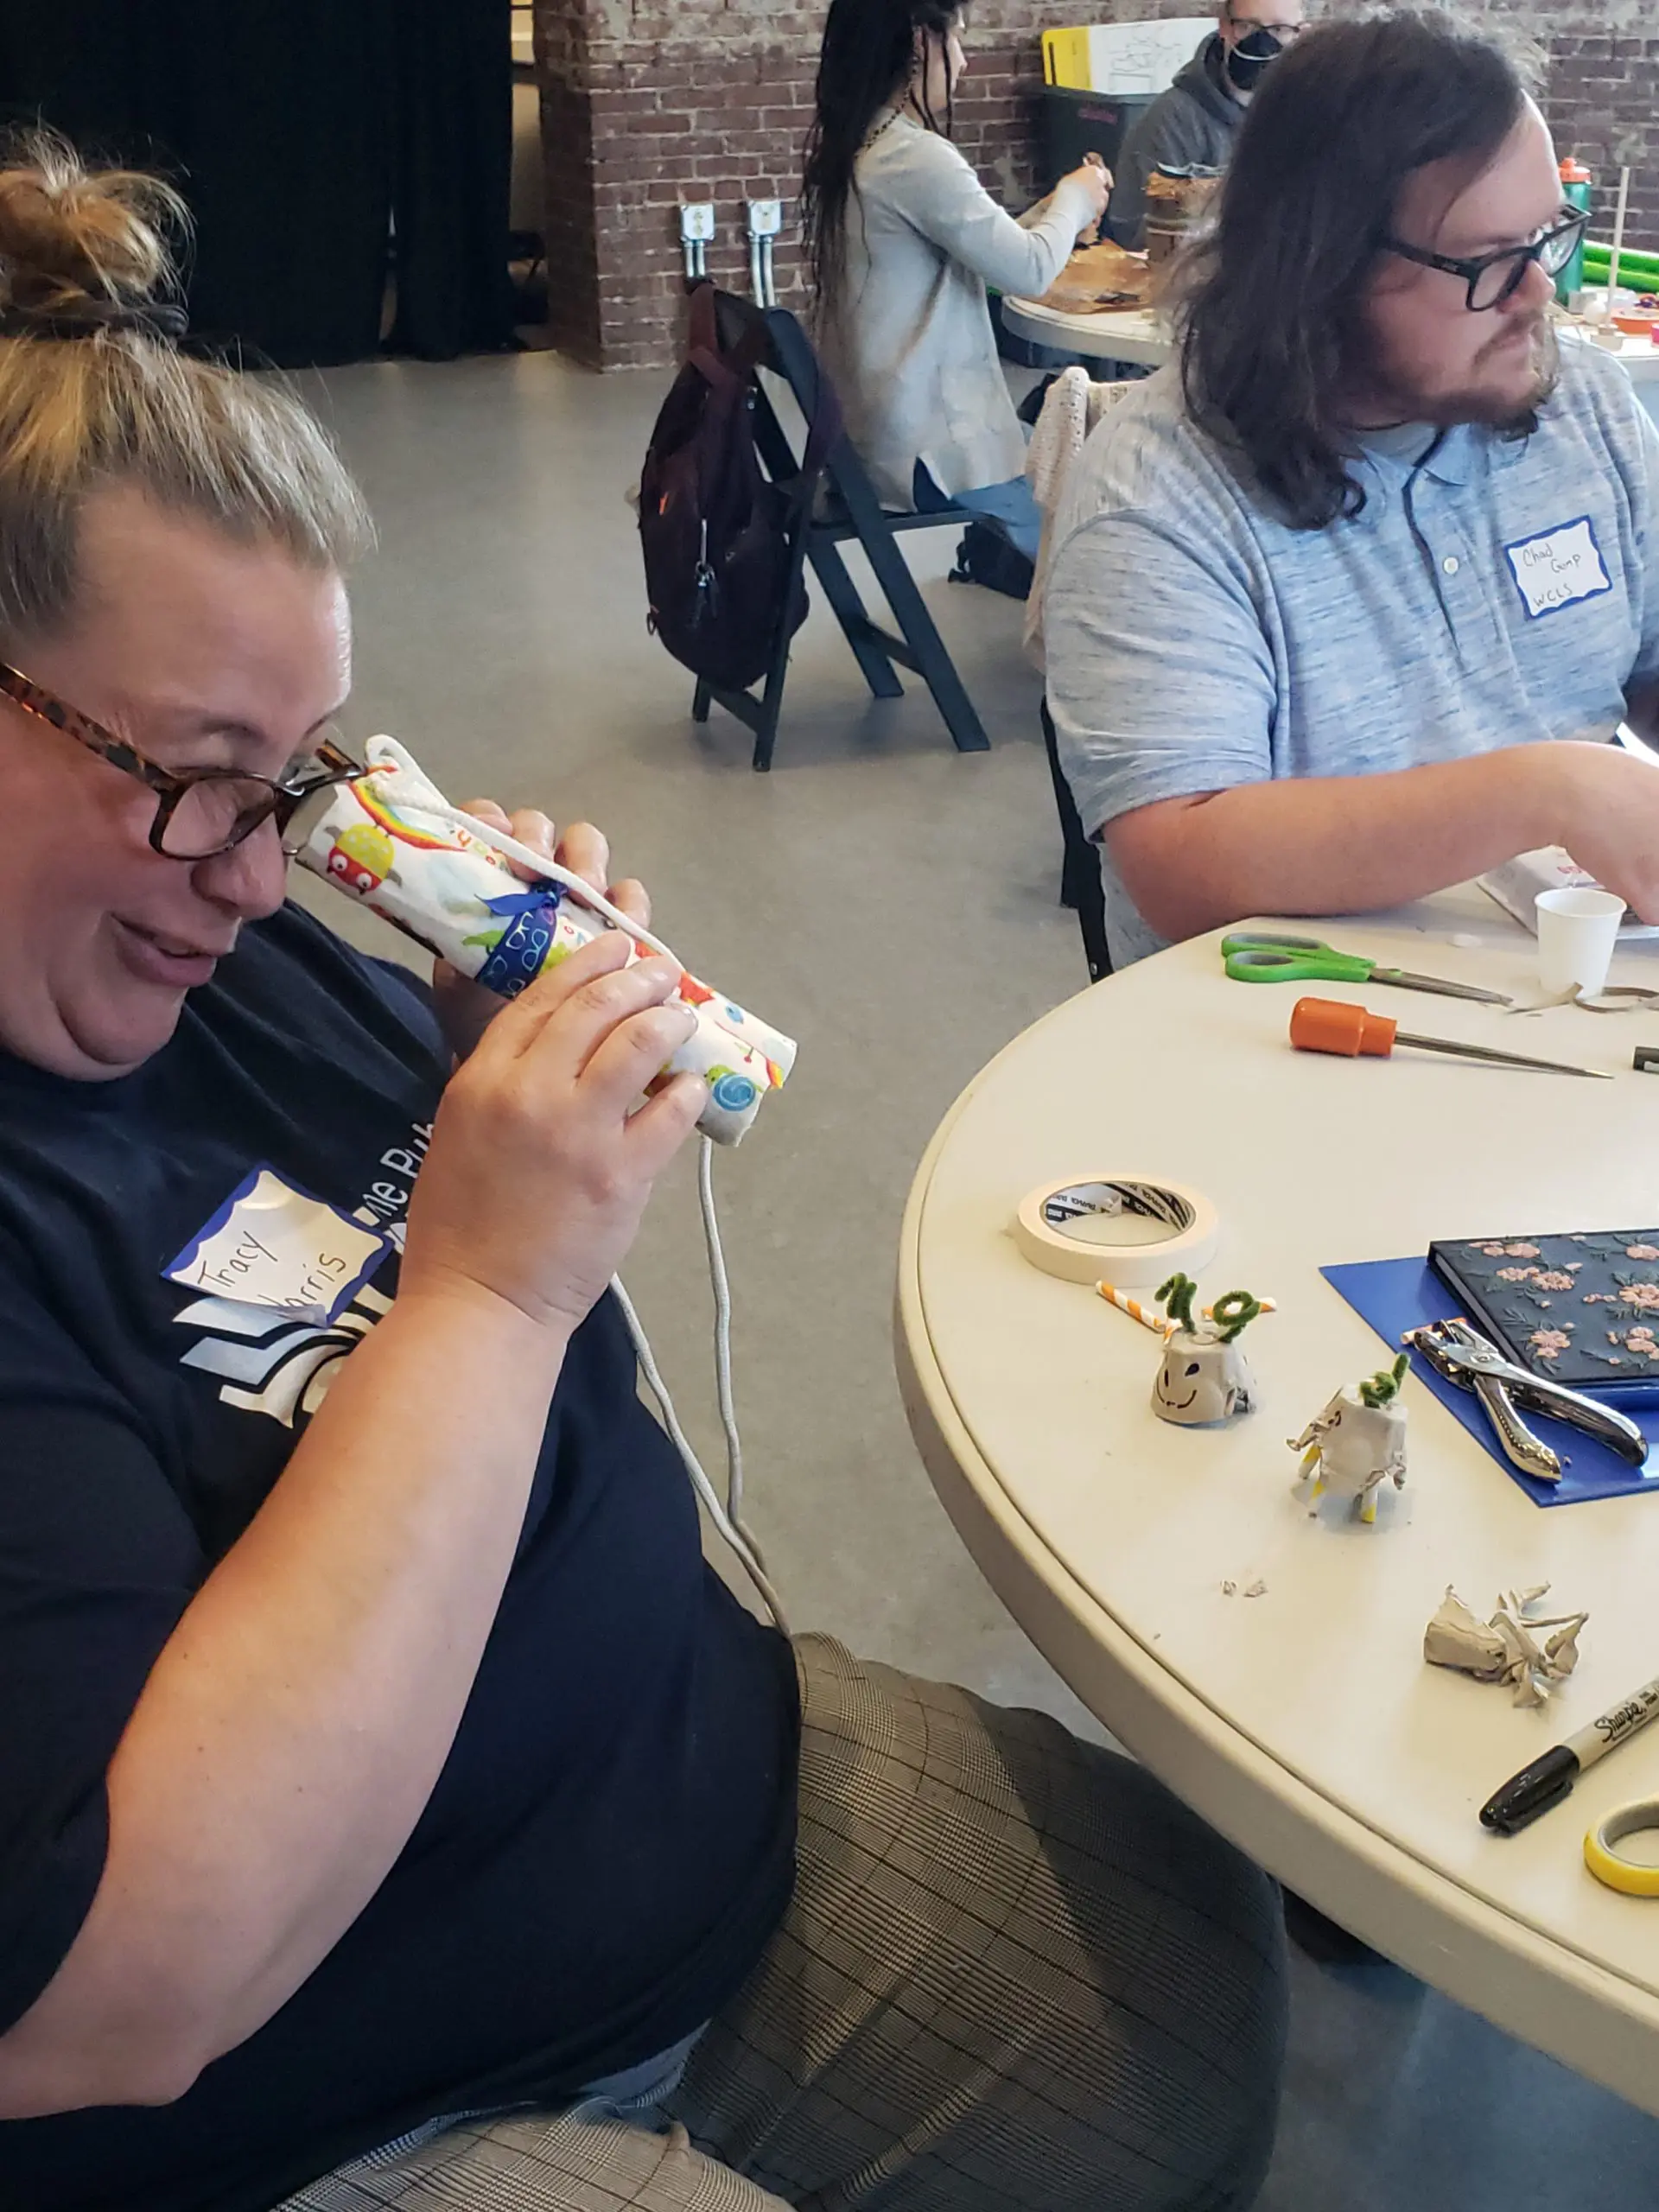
(1016, 1975)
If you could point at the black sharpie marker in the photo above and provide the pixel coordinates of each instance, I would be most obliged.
(1549, 1779)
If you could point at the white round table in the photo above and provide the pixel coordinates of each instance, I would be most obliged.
(1139, 335)
(1303, 1722)
(1640, 357)
(1119, 335)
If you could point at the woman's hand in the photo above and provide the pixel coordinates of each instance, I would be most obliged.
(1092, 181)
(538, 1173)
(466, 1008)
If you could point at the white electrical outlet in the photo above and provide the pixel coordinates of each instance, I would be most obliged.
(697, 220)
(765, 217)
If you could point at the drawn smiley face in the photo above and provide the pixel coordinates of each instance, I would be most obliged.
(1167, 1382)
(1201, 1381)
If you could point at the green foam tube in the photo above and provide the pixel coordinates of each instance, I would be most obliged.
(1634, 268)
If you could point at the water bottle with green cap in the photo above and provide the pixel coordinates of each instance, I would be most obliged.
(1576, 181)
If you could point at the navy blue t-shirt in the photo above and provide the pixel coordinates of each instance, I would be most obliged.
(610, 1843)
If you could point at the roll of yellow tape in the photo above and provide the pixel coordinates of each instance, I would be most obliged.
(1610, 1866)
(1131, 1229)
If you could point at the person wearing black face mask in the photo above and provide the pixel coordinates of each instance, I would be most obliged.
(1195, 121)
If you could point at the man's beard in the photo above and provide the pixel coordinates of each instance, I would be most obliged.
(1516, 417)
(1512, 415)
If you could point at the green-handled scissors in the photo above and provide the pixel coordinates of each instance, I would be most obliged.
(1268, 958)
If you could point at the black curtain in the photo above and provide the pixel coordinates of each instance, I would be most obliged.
(453, 176)
(307, 136)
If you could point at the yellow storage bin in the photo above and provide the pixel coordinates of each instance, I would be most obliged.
(1065, 59)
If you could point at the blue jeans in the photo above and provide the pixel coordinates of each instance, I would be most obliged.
(1011, 507)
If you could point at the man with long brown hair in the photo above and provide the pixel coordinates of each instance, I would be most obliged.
(1345, 608)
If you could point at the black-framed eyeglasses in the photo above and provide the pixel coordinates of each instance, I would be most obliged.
(199, 812)
(1494, 277)
(1283, 32)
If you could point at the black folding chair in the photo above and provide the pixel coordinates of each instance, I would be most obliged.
(1081, 887)
(841, 505)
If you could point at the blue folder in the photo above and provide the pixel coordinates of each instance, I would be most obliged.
(1394, 1295)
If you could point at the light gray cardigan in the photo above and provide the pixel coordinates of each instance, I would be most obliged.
(910, 346)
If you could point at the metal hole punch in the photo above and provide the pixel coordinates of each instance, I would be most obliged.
(1461, 1355)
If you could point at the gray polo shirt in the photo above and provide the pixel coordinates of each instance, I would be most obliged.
(1492, 592)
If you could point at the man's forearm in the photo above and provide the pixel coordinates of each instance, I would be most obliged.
(1333, 844)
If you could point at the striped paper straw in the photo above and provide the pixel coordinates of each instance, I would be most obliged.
(1149, 1318)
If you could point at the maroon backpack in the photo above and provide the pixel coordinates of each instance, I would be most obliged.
(714, 530)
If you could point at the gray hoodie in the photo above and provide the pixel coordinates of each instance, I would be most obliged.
(1195, 121)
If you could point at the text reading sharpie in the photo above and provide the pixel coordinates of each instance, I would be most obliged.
(1549, 1779)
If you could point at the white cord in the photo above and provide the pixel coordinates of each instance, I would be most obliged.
(705, 1490)
(723, 1349)
(550, 871)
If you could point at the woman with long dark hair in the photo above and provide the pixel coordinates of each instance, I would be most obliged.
(902, 239)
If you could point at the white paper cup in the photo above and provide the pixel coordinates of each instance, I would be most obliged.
(1576, 932)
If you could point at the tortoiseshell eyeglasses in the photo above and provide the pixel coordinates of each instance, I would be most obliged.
(199, 812)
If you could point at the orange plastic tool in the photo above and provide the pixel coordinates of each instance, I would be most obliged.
(1332, 1026)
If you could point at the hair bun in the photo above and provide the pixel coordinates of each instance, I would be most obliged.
(73, 237)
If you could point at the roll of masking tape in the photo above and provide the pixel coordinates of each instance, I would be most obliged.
(1610, 1864)
(1131, 1229)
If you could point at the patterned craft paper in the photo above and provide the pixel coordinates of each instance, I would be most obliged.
(388, 841)
(1582, 1308)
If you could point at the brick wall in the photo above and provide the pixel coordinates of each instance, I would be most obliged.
(569, 220)
(646, 102)
(1603, 100)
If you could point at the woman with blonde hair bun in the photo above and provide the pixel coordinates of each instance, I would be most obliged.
(394, 1807)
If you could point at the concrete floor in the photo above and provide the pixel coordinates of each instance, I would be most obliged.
(893, 905)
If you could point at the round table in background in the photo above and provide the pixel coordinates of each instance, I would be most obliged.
(1137, 335)
(1640, 358)
(1119, 335)
(1304, 1722)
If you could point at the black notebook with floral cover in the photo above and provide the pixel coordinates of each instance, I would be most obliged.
(1582, 1308)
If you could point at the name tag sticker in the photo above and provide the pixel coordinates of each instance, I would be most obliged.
(1558, 568)
(270, 1244)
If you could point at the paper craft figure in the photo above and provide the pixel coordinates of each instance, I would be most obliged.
(1204, 1377)
(1506, 1649)
(1358, 1443)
